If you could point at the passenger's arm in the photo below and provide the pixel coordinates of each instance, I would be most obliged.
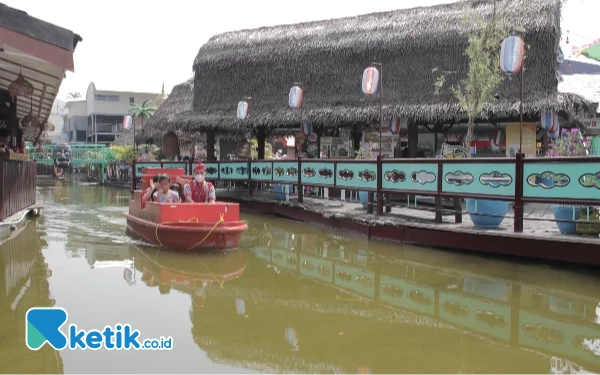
(212, 195)
(147, 195)
(187, 193)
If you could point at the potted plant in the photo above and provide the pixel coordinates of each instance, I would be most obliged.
(365, 152)
(570, 143)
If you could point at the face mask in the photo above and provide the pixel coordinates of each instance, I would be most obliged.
(199, 178)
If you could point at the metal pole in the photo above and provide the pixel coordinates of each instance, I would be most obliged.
(299, 84)
(521, 110)
(380, 65)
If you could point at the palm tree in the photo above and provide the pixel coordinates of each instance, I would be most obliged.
(145, 110)
(73, 95)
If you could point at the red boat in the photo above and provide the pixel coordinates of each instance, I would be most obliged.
(184, 226)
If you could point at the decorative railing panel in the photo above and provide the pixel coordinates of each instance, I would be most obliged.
(212, 170)
(362, 281)
(284, 259)
(406, 295)
(561, 180)
(316, 268)
(484, 317)
(410, 176)
(262, 171)
(356, 175)
(141, 166)
(233, 170)
(550, 335)
(479, 178)
(285, 171)
(318, 173)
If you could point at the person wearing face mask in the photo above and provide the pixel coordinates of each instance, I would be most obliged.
(199, 191)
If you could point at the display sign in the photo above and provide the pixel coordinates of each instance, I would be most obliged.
(513, 138)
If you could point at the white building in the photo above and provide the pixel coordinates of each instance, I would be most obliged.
(99, 117)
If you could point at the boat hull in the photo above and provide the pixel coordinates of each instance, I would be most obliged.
(190, 236)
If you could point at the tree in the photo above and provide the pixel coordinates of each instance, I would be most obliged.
(484, 74)
(243, 151)
(142, 111)
(73, 95)
(124, 153)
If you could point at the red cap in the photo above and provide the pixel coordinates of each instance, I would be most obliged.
(200, 167)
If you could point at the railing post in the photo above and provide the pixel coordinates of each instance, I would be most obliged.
(300, 190)
(134, 168)
(518, 207)
(379, 186)
(250, 193)
(438, 198)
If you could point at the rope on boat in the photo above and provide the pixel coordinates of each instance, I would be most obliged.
(194, 219)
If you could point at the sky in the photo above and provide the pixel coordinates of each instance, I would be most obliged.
(134, 45)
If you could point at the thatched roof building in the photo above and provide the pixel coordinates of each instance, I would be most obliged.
(330, 56)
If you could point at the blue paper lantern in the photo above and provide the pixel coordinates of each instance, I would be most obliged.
(511, 54)
(295, 97)
(549, 121)
(307, 129)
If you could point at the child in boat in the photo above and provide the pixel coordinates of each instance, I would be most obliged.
(176, 188)
(165, 194)
(152, 190)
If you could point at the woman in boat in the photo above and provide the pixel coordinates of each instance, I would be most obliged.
(151, 191)
(199, 190)
(165, 194)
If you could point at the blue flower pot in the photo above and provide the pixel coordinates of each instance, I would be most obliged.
(566, 213)
(279, 191)
(364, 198)
(486, 207)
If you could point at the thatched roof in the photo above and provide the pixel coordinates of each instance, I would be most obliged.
(330, 56)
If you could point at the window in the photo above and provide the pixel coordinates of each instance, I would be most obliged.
(107, 98)
(131, 100)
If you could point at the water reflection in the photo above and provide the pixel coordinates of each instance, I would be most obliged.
(296, 299)
(24, 284)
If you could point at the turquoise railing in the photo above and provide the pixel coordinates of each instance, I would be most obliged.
(542, 180)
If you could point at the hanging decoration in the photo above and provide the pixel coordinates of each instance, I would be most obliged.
(127, 121)
(496, 141)
(549, 120)
(20, 87)
(242, 110)
(307, 129)
(370, 81)
(511, 55)
(295, 97)
(555, 132)
(395, 125)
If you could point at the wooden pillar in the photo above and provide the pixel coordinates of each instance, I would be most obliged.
(261, 137)
(210, 145)
(413, 139)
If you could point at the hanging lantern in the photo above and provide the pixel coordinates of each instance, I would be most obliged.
(395, 125)
(127, 121)
(370, 81)
(511, 54)
(242, 110)
(295, 97)
(549, 120)
(496, 141)
(20, 87)
(307, 128)
(554, 133)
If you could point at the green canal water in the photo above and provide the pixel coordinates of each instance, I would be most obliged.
(295, 299)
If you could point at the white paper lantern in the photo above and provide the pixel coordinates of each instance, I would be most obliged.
(242, 110)
(370, 81)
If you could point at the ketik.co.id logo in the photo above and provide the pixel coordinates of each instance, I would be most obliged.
(43, 325)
